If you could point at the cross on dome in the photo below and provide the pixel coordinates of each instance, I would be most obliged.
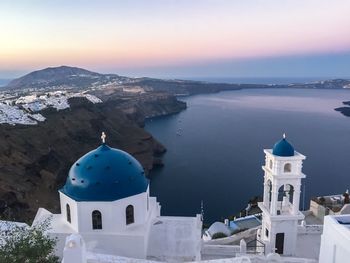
(103, 137)
(284, 135)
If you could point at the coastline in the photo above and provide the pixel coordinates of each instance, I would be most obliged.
(345, 110)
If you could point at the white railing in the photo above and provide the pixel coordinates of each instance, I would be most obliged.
(220, 250)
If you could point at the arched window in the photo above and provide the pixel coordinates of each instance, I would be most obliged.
(286, 190)
(129, 214)
(96, 220)
(287, 168)
(271, 164)
(68, 213)
(269, 189)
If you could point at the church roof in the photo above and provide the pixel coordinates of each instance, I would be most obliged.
(105, 174)
(219, 227)
(283, 148)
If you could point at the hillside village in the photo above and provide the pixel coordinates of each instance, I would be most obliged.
(25, 109)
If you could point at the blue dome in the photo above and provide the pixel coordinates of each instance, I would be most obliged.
(283, 148)
(105, 174)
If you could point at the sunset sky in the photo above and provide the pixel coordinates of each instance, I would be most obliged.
(178, 38)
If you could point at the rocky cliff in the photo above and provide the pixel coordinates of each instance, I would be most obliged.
(35, 159)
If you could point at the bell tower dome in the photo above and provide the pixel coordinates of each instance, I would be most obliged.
(280, 206)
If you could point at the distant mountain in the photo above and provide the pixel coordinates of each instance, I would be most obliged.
(65, 77)
(62, 76)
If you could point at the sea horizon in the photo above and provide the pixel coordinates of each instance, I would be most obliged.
(235, 80)
(263, 80)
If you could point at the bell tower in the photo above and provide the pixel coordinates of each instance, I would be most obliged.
(280, 206)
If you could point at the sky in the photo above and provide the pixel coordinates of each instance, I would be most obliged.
(178, 38)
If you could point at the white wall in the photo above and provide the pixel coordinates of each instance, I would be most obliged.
(64, 200)
(335, 240)
(122, 245)
(176, 239)
(288, 227)
(279, 162)
(113, 213)
(210, 252)
(115, 237)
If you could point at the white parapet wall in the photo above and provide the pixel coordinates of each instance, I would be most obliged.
(175, 239)
(309, 240)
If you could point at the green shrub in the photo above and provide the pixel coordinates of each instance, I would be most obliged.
(27, 245)
(219, 235)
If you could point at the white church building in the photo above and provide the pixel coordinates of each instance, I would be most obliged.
(106, 201)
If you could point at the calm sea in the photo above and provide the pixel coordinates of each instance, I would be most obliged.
(265, 80)
(4, 82)
(215, 147)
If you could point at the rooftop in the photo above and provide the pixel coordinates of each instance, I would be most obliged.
(105, 174)
(344, 221)
(283, 148)
(245, 222)
(311, 219)
(333, 202)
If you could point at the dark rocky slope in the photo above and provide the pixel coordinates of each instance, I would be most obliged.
(35, 160)
(345, 110)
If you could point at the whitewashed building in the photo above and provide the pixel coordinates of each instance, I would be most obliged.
(285, 229)
(280, 206)
(335, 241)
(106, 201)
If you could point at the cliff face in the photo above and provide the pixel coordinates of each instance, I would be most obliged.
(151, 105)
(186, 87)
(35, 160)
